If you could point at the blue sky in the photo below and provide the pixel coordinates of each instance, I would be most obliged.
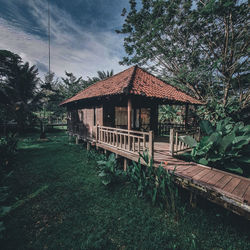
(83, 38)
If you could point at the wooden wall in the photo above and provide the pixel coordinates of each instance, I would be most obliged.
(88, 117)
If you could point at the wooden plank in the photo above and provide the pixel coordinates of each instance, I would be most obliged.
(195, 172)
(190, 170)
(208, 176)
(223, 181)
(181, 169)
(241, 188)
(215, 179)
(201, 174)
(231, 185)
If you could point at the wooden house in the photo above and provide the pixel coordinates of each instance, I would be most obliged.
(128, 100)
(120, 115)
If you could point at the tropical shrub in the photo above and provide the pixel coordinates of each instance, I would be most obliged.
(156, 184)
(109, 171)
(224, 146)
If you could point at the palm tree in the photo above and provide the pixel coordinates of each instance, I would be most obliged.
(102, 75)
(19, 88)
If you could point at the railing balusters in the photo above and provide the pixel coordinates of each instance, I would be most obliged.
(127, 140)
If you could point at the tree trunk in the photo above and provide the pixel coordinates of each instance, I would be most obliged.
(226, 91)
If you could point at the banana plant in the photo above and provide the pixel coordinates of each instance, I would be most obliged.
(109, 172)
(224, 146)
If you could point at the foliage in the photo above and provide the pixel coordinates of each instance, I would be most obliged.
(157, 184)
(200, 46)
(169, 113)
(215, 111)
(225, 146)
(77, 206)
(19, 89)
(109, 171)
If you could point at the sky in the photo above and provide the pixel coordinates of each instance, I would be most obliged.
(83, 37)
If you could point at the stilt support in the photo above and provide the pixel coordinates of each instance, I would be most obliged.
(125, 163)
(88, 146)
(193, 200)
(77, 140)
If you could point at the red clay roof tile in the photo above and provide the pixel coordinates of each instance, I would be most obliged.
(138, 82)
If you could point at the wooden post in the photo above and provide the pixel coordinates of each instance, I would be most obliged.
(129, 112)
(129, 121)
(193, 200)
(77, 140)
(144, 142)
(97, 133)
(88, 146)
(151, 145)
(154, 118)
(171, 141)
(96, 136)
(125, 163)
(186, 116)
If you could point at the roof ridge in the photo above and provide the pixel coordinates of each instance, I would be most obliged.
(98, 82)
(130, 83)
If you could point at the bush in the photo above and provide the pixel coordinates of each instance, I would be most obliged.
(224, 146)
(155, 183)
(109, 171)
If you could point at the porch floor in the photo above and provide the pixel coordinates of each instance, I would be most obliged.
(226, 189)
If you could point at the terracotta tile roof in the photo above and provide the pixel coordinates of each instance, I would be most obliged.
(134, 81)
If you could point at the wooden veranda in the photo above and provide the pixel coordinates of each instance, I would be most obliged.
(226, 189)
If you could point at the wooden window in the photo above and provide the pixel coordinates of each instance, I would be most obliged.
(121, 117)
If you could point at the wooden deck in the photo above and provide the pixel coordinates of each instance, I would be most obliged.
(226, 189)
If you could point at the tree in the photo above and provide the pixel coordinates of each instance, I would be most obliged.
(19, 89)
(71, 85)
(101, 76)
(200, 46)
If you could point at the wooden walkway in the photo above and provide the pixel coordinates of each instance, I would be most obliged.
(230, 190)
(226, 189)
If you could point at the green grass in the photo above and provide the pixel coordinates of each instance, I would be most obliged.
(59, 202)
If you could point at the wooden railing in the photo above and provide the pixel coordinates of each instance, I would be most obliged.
(127, 140)
(164, 128)
(176, 145)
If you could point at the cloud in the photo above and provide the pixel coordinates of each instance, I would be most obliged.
(73, 48)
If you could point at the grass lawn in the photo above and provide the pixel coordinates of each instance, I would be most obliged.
(60, 203)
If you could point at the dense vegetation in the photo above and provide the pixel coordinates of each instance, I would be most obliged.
(60, 202)
(200, 46)
(225, 146)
